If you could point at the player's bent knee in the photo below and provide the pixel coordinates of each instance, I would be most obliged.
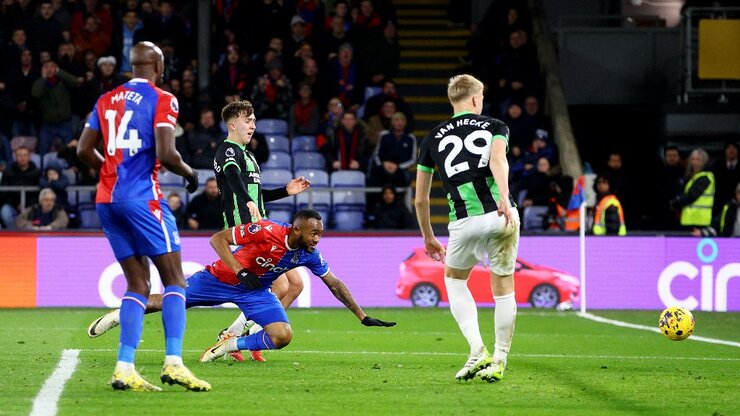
(280, 333)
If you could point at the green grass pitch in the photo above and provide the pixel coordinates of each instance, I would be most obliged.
(560, 364)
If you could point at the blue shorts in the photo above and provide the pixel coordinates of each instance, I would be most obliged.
(261, 305)
(139, 228)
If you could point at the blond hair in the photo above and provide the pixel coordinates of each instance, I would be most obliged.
(463, 86)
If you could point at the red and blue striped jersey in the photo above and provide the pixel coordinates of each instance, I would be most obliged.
(265, 252)
(127, 117)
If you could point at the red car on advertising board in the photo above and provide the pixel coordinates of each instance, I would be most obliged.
(422, 281)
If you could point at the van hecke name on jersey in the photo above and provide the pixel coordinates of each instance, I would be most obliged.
(128, 96)
(459, 123)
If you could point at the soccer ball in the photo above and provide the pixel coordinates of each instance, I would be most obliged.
(676, 323)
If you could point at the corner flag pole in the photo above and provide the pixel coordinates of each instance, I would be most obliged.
(582, 241)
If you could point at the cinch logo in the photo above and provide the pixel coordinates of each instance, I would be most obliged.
(267, 264)
(713, 287)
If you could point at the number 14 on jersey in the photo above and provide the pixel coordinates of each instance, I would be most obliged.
(120, 136)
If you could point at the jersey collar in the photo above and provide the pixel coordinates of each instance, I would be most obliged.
(462, 113)
(288, 245)
(238, 144)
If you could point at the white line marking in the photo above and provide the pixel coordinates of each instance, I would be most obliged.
(45, 402)
(456, 354)
(599, 319)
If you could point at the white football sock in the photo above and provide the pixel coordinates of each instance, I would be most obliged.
(237, 327)
(172, 360)
(504, 318)
(465, 312)
(255, 329)
(124, 366)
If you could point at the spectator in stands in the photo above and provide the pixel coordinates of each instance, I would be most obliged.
(173, 60)
(11, 51)
(336, 36)
(23, 172)
(329, 122)
(389, 93)
(312, 76)
(670, 184)
(367, 23)
(46, 215)
(85, 175)
(728, 221)
(340, 12)
(395, 154)
(304, 52)
(272, 95)
(92, 8)
(305, 116)
(541, 147)
(516, 70)
(268, 19)
(6, 154)
(189, 107)
(203, 141)
(232, 79)
(57, 182)
(382, 55)
(259, 148)
(345, 78)
(68, 60)
(390, 213)
(312, 12)
(619, 183)
(520, 131)
(92, 37)
(533, 116)
(105, 79)
(45, 32)
(129, 33)
(19, 83)
(727, 174)
(697, 199)
(292, 44)
(204, 211)
(608, 214)
(348, 150)
(168, 24)
(380, 123)
(539, 184)
(53, 92)
(174, 202)
(62, 13)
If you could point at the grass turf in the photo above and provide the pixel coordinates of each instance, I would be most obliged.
(559, 364)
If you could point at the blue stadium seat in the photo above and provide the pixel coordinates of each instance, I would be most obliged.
(303, 144)
(309, 160)
(533, 218)
(318, 177)
(320, 199)
(278, 160)
(284, 215)
(88, 216)
(278, 178)
(36, 158)
(348, 220)
(204, 174)
(278, 143)
(268, 126)
(372, 92)
(348, 200)
(167, 178)
(51, 159)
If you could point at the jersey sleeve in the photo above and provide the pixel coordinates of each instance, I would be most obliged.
(93, 122)
(247, 234)
(317, 264)
(425, 163)
(500, 131)
(166, 111)
(229, 154)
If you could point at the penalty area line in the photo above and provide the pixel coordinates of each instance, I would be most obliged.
(45, 402)
(622, 324)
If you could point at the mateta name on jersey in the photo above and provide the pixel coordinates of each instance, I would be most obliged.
(459, 123)
(128, 96)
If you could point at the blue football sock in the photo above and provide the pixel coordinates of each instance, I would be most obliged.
(173, 319)
(133, 306)
(256, 342)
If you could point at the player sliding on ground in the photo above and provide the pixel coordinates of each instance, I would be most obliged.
(244, 277)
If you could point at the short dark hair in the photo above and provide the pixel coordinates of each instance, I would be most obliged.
(235, 109)
(671, 147)
(307, 214)
(211, 179)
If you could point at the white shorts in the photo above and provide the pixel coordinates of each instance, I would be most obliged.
(473, 238)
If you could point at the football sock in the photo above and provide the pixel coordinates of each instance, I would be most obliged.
(173, 319)
(465, 312)
(504, 318)
(256, 342)
(255, 329)
(133, 306)
(237, 327)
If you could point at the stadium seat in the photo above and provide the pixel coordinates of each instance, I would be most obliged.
(309, 160)
(278, 143)
(278, 178)
(348, 220)
(372, 92)
(303, 144)
(52, 159)
(36, 159)
(318, 177)
(348, 200)
(88, 216)
(280, 215)
(533, 218)
(167, 178)
(204, 174)
(71, 175)
(320, 201)
(269, 126)
(24, 141)
(278, 160)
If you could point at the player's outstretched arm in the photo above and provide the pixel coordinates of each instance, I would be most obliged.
(341, 292)
(87, 148)
(295, 186)
(171, 158)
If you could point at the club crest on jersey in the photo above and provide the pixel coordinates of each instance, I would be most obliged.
(296, 257)
(230, 152)
(173, 105)
(253, 228)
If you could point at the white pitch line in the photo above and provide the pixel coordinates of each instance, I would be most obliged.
(614, 322)
(45, 402)
(427, 353)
